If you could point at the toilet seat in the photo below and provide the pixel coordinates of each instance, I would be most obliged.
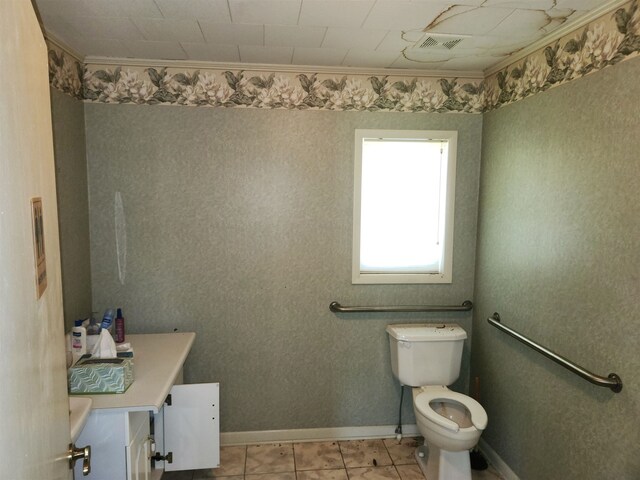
(423, 401)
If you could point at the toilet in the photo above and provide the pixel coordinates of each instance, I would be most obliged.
(427, 357)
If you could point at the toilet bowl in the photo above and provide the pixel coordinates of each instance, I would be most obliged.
(451, 424)
(450, 420)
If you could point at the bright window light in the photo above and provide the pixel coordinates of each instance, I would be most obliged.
(403, 206)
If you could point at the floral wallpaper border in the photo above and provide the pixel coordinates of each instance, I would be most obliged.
(606, 41)
(610, 39)
(244, 88)
(65, 71)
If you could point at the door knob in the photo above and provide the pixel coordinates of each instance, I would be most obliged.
(78, 453)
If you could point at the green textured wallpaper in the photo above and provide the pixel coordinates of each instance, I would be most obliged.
(73, 205)
(238, 227)
(559, 237)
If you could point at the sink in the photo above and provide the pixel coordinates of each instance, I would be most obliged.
(79, 409)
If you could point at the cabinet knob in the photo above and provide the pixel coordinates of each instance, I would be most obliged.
(76, 454)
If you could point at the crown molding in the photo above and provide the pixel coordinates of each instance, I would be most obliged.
(55, 40)
(594, 14)
(262, 67)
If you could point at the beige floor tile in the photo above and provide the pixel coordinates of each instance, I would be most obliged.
(276, 462)
(403, 452)
(373, 473)
(232, 460)
(364, 453)
(410, 472)
(317, 456)
(334, 474)
(272, 476)
(270, 458)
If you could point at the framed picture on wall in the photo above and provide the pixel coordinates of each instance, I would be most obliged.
(38, 246)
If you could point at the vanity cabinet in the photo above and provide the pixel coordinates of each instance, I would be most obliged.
(138, 449)
(159, 424)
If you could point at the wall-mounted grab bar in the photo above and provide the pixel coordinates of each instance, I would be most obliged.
(613, 381)
(465, 307)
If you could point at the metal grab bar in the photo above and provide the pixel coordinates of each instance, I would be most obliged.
(613, 381)
(465, 307)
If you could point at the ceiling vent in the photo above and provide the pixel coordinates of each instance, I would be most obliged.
(431, 41)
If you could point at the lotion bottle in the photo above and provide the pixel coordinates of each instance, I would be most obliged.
(78, 339)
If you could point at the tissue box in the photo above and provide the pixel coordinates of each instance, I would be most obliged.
(101, 375)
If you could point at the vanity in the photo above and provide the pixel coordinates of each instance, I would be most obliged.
(159, 424)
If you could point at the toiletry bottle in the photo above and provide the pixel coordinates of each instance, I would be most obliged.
(107, 320)
(78, 339)
(93, 333)
(119, 327)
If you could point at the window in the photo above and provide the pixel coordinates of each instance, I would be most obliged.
(403, 206)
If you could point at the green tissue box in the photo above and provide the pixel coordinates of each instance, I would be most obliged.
(101, 375)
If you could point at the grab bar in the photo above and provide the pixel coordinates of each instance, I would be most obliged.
(613, 381)
(465, 307)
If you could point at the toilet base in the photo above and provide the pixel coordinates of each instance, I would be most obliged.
(438, 464)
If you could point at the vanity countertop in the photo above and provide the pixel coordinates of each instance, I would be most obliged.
(79, 409)
(157, 361)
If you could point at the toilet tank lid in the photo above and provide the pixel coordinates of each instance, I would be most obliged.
(423, 332)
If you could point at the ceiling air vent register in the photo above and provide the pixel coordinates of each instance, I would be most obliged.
(432, 41)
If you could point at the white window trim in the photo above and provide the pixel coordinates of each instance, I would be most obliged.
(407, 278)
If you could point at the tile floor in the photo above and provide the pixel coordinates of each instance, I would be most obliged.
(348, 460)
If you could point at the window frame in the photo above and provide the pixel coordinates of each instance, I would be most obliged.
(446, 273)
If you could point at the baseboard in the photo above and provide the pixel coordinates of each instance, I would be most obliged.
(497, 462)
(314, 434)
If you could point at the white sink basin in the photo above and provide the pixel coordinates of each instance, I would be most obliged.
(79, 409)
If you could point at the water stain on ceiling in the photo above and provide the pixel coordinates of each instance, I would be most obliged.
(465, 36)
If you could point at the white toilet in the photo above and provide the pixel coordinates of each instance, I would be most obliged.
(427, 357)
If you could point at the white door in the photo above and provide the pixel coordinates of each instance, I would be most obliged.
(34, 425)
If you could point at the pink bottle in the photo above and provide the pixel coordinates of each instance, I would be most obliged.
(119, 327)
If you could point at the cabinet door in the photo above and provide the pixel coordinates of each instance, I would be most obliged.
(192, 427)
(138, 448)
(107, 433)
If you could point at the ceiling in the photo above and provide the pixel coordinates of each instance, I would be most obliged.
(470, 35)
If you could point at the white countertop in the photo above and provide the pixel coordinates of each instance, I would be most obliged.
(79, 409)
(157, 360)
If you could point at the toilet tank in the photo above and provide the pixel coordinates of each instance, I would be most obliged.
(427, 353)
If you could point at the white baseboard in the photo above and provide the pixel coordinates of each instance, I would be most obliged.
(497, 462)
(315, 434)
